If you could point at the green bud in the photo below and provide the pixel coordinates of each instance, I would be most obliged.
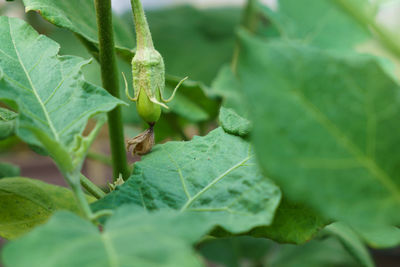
(148, 71)
(149, 76)
(147, 110)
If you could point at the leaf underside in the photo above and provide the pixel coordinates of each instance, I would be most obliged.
(26, 203)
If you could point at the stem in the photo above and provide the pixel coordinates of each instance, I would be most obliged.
(74, 182)
(386, 38)
(110, 82)
(102, 213)
(143, 35)
(93, 189)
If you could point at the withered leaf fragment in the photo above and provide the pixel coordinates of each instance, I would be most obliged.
(142, 143)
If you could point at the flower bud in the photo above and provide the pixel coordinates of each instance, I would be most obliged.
(148, 71)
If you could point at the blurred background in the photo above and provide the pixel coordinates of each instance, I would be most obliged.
(196, 38)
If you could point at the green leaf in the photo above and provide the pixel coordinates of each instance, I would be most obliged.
(351, 242)
(132, 237)
(232, 123)
(380, 237)
(8, 170)
(325, 252)
(7, 123)
(233, 252)
(194, 42)
(293, 223)
(26, 203)
(215, 175)
(53, 99)
(228, 88)
(331, 121)
(188, 38)
(335, 30)
(192, 100)
(80, 17)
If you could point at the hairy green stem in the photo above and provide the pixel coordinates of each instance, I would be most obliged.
(73, 181)
(93, 189)
(143, 34)
(109, 77)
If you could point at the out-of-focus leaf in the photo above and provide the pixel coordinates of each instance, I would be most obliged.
(293, 223)
(351, 242)
(26, 203)
(192, 101)
(8, 170)
(325, 252)
(215, 175)
(79, 16)
(380, 237)
(234, 251)
(228, 88)
(7, 123)
(335, 30)
(194, 42)
(332, 121)
(130, 238)
(237, 251)
(54, 101)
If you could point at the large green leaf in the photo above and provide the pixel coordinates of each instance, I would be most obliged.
(53, 99)
(130, 238)
(325, 128)
(7, 123)
(214, 175)
(80, 17)
(26, 203)
(296, 20)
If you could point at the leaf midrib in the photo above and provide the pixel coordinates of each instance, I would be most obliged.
(213, 182)
(342, 139)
